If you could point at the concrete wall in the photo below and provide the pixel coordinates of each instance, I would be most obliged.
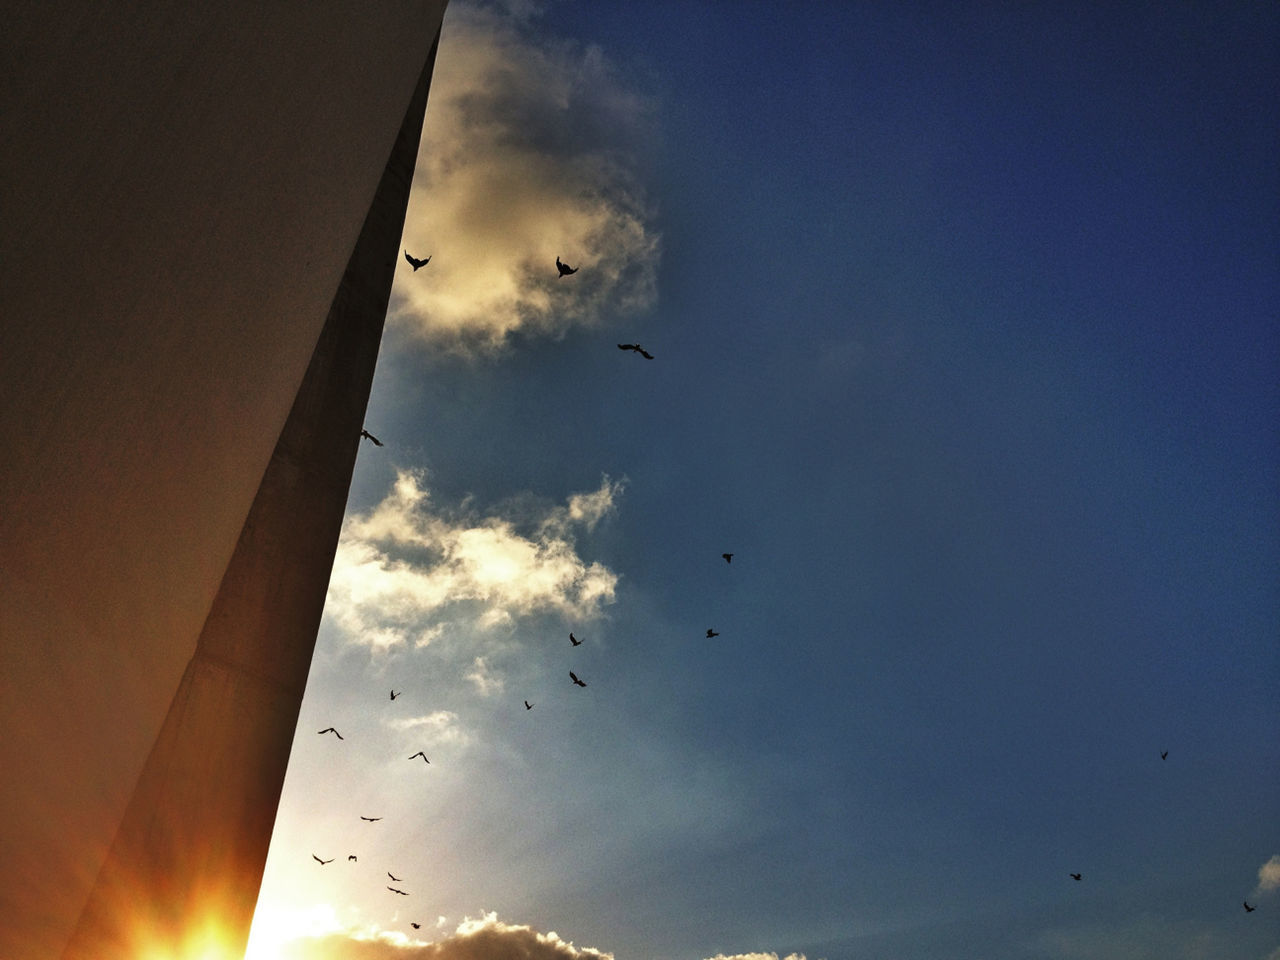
(182, 187)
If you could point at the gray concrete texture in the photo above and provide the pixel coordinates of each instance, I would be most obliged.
(183, 187)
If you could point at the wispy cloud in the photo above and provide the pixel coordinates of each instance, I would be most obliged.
(1268, 876)
(407, 567)
(474, 939)
(486, 682)
(529, 153)
(439, 727)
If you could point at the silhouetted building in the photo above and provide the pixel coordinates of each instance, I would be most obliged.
(203, 208)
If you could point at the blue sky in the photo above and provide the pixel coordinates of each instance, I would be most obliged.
(965, 338)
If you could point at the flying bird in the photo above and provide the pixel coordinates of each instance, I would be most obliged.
(321, 862)
(395, 890)
(728, 557)
(396, 879)
(1164, 755)
(574, 677)
(574, 640)
(414, 925)
(333, 731)
(352, 859)
(564, 268)
(528, 705)
(371, 819)
(637, 348)
(711, 633)
(415, 262)
(1247, 908)
(422, 755)
(366, 435)
(1075, 876)
(394, 694)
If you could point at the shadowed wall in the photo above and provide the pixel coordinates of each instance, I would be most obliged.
(183, 189)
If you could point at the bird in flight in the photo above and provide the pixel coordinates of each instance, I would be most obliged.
(1247, 908)
(422, 755)
(321, 862)
(564, 268)
(1164, 755)
(574, 640)
(711, 633)
(333, 731)
(528, 705)
(1075, 876)
(396, 879)
(574, 677)
(728, 557)
(352, 859)
(371, 819)
(366, 435)
(415, 262)
(414, 925)
(637, 348)
(394, 694)
(396, 890)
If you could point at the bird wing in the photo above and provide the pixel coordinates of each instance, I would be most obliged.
(646, 354)
(393, 877)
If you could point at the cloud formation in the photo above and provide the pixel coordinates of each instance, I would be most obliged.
(407, 568)
(1268, 875)
(529, 152)
(487, 938)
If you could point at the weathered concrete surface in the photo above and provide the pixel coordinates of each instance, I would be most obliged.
(183, 186)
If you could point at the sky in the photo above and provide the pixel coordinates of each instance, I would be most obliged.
(965, 346)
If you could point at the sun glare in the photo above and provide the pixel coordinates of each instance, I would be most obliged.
(274, 925)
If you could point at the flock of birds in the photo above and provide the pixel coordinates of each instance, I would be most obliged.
(563, 270)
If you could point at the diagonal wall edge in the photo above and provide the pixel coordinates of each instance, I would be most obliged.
(186, 863)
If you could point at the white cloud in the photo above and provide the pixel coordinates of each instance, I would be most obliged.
(528, 153)
(475, 939)
(1268, 875)
(486, 683)
(440, 727)
(406, 569)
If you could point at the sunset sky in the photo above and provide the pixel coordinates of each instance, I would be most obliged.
(964, 325)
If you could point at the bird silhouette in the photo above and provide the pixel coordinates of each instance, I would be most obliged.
(711, 633)
(397, 890)
(422, 755)
(1075, 876)
(352, 859)
(394, 694)
(414, 925)
(1164, 755)
(637, 348)
(333, 731)
(728, 557)
(366, 435)
(528, 705)
(396, 879)
(321, 862)
(415, 262)
(564, 268)
(1247, 908)
(574, 677)
(574, 640)
(371, 819)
